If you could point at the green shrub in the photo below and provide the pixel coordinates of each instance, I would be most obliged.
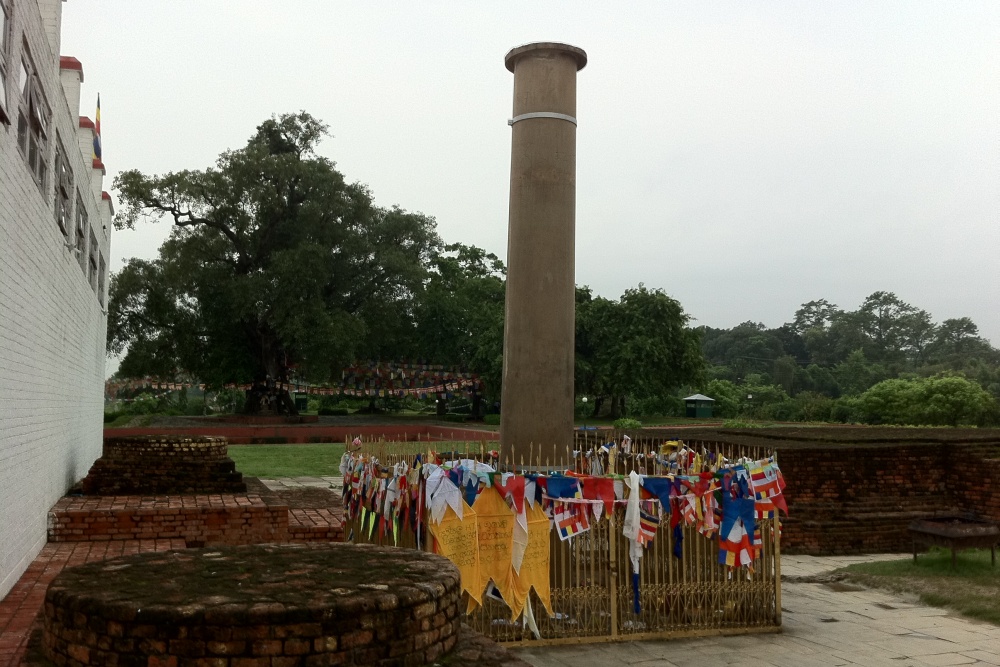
(333, 412)
(741, 423)
(492, 420)
(657, 406)
(627, 423)
(111, 416)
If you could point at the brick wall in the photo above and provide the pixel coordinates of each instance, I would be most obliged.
(265, 607)
(297, 433)
(199, 520)
(861, 499)
(974, 477)
(52, 329)
(163, 466)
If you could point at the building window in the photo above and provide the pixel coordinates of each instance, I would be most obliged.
(63, 190)
(4, 59)
(81, 233)
(101, 270)
(92, 274)
(33, 122)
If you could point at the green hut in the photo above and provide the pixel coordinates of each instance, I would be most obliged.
(698, 406)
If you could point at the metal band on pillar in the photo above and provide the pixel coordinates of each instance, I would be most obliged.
(541, 114)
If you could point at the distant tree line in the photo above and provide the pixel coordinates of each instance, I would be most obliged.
(278, 267)
(886, 362)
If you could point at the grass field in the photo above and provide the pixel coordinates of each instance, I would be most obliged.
(270, 461)
(972, 588)
(323, 459)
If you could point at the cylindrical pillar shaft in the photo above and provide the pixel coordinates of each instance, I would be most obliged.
(538, 360)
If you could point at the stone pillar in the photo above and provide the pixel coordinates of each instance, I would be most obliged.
(537, 401)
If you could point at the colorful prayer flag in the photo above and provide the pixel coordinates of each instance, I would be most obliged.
(97, 130)
(648, 523)
(571, 519)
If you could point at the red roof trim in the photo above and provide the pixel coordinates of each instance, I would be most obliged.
(86, 122)
(99, 165)
(105, 195)
(69, 62)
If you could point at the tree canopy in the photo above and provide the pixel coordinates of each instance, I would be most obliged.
(887, 348)
(277, 265)
(638, 346)
(274, 261)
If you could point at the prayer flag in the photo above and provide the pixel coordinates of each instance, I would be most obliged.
(571, 519)
(97, 130)
(648, 523)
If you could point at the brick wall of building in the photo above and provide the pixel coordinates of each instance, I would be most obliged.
(52, 324)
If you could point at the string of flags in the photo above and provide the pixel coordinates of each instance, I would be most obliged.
(373, 379)
(495, 526)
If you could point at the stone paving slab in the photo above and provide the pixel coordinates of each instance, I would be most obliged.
(821, 627)
(284, 484)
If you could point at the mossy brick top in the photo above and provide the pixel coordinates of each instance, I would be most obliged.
(201, 448)
(255, 606)
(289, 582)
(163, 465)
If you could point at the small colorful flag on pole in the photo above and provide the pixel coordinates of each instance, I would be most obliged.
(570, 519)
(97, 130)
(648, 523)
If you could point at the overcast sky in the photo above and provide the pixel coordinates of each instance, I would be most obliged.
(744, 157)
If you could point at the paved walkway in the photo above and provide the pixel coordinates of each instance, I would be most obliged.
(820, 627)
(336, 484)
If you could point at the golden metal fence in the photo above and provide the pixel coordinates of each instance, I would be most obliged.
(591, 583)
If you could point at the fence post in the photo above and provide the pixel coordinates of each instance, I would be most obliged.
(613, 578)
(776, 531)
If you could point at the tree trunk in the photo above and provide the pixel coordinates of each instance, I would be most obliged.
(598, 403)
(264, 395)
(622, 409)
(442, 406)
(614, 406)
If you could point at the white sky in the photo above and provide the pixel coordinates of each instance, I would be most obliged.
(745, 157)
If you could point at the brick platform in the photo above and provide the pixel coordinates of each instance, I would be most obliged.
(198, 520)
(237, 434)
(316, 525)
(255, 606)
(19, 609)
(163, 465)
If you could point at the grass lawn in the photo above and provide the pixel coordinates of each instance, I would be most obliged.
(323, 459)
(972, 588)
(270, 461)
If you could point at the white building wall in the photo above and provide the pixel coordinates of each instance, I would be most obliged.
(52, 325)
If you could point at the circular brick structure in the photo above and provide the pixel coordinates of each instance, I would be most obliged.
(255, 606)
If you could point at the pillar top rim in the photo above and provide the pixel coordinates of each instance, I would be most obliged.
(517, 52)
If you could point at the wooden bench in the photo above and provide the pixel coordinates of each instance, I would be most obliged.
(956, 533)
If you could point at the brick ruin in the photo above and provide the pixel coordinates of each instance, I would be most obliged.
(862, 499)
(260, 606)
(135, 466)
(855, 490)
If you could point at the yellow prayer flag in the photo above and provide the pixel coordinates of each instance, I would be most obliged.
(535, 566)
(496, 543)
(457, 540)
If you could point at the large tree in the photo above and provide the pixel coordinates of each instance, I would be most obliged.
(460, 313)
(639, 346)
(274, 261)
